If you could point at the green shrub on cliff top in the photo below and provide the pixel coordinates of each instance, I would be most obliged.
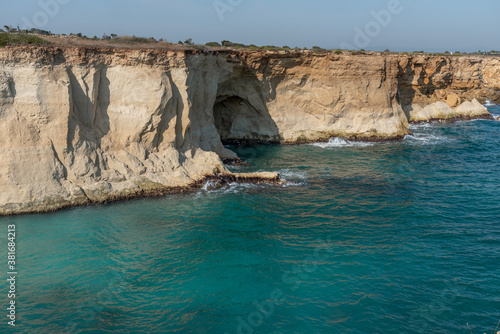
(213, 44)
(20, 39)
(133, 40)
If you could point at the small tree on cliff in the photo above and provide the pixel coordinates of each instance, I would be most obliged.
(213, 44)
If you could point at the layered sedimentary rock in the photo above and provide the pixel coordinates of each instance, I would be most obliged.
(299, 98)
(80, 125)
(447, 88)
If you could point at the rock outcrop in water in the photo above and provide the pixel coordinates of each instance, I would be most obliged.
(84, 125)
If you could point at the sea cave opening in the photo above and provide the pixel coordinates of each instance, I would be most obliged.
(239, 122)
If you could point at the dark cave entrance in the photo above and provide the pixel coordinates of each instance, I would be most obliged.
(239, 122)
(225, 111)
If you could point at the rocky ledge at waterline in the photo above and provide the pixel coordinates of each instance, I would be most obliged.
(85, 125)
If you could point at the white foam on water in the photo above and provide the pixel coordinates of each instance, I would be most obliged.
(339, 142)
(209, 189)
(494, 110)
(233, 188)
(489, 104)
(426, 138)
(209, 185)
(420, 126)
(293, 178)
(292, 174)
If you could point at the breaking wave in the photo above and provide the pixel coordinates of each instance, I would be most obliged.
(292, 178)
(339, 142)
(488, 103)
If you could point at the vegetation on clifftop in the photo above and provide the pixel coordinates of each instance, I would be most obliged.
(17, 36)
(20, 39)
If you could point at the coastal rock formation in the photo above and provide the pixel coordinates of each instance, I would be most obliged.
(86, 125)
(315, 98)
(441, 111)
(75, 131)
(447, 88)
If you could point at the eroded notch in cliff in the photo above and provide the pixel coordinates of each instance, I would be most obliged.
(225, 110)
(238, 121)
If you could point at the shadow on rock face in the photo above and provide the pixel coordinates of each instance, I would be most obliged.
(241, 114)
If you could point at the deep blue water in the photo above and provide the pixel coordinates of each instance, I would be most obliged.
(399, 237)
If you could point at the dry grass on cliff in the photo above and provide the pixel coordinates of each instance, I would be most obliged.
(127, 42)
(122, 42)
(133, 42)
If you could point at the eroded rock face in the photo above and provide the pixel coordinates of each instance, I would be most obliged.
(441, 111)
(316, 97)
(447, 88)
(92, 131)
(91, 125)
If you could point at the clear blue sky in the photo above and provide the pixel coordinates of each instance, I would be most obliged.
(429, 25)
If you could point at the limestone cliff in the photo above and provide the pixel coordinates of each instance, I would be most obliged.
(83, 125)
(447, 88)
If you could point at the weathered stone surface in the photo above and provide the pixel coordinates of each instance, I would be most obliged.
(442, 88)
(440, 111)
(83, 125)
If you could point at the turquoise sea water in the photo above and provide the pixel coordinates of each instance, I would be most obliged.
(399, 237)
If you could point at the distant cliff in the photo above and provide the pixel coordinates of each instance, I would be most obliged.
(83, 125)
(447, 88)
